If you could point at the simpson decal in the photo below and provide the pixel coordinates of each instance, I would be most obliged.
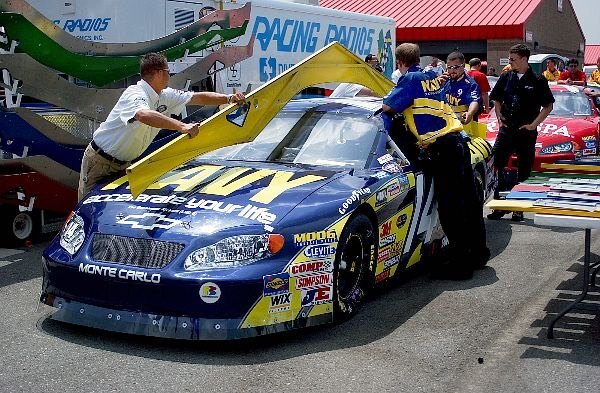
(314, 280)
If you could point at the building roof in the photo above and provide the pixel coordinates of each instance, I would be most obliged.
(448, 19)
(592, 53)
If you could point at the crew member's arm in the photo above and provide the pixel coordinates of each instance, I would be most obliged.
(581, 81)
(486, 102)
(497, 108)
(211, 98)
(158, 120)
(366, 92)
(540, 118)
(467, 116)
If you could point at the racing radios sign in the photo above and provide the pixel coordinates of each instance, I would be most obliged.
(291, 35)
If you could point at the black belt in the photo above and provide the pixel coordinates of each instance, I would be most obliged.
(104, 154)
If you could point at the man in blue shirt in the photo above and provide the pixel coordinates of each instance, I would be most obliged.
(462, 92)
(435, 129)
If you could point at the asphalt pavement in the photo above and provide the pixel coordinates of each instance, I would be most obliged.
(487, 334)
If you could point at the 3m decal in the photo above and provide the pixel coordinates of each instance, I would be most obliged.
(386, 229)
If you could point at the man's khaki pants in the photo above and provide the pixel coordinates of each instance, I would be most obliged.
(95, 168)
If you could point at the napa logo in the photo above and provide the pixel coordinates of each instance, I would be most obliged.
(210, 292)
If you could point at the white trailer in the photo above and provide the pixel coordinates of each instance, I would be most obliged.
(284, 32)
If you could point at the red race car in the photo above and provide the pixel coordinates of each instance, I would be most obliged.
(570, 132)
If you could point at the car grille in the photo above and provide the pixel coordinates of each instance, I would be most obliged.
(151, 254)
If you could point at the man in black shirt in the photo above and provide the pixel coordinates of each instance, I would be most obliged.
(518, 97)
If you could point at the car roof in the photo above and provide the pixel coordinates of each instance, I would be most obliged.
(355, 105)
(565, 88)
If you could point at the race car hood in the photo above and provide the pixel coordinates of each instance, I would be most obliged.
(562, 129)
(553, 130)
(202, 198)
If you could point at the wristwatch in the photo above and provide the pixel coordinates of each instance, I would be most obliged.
(229, 97)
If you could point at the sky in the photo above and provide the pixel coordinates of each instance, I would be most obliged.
(588, 16)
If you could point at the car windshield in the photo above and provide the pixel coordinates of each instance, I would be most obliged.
(312, 137)
(569, 104)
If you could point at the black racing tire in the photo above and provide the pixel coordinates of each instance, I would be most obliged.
(354, 265)
(479, 184)
(18, 226)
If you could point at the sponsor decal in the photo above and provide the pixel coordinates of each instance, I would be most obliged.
(392, 167)
(383, 255)
(382, 276)
(311, 238)
(275, 284)
(589, 142)
(588, 152)
(386, 229)
(123, 274)
(356, 194)
(148, 221)
(294, 35)
(84, 25)
(319, 251)
(385, 159)
(314, 280)
(391, 262)
(210, 292)
(381, 197)
(311, 267)
(401, 220)
(553, 129)
(217, 180)
(249, 211)
(381, 175)
(387, 240)
(314, 296)
(404, 181)
(394, 190)
(280, 302)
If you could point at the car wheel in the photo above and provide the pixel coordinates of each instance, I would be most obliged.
(479, 184)
(18, 226)
(353, 268)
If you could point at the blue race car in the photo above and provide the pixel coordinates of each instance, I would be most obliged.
(290, 230)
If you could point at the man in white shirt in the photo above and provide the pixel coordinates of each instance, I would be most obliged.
(436, 65)
(349, 90)
(139, 114)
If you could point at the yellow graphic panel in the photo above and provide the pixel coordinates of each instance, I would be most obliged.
(333, 63)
